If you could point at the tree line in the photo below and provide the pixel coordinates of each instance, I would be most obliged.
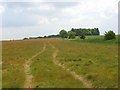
(81, 32)
(86, 31)
(39, 37)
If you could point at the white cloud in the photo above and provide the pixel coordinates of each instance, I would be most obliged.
(92, 11)
(55, 19)
(79, 19)
(45, 7)
(40, 7)
(70, 11)
(18, 10)
(44, 20)
(30, 7)
(91, 6)
(2, 9)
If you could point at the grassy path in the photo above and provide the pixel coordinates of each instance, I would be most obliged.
(85, 82)
(47, 74)
(28, 75)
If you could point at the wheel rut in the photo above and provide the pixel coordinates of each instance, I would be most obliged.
(85, 82)
(27, 69)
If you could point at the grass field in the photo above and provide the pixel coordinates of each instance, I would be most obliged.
(98, 39)
(58, 63)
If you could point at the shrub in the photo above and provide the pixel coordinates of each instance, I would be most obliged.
(25, 38)
(71, 34)
(109, 35)
(63, 34)
(82, 37)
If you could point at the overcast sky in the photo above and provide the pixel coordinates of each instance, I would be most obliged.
(33, 18)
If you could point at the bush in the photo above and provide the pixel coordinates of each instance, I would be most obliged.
(71, 34)
(25, 38)
(109, 35)
(63, 34)
(82, 37)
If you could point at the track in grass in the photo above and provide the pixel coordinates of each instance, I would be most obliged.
(28, 75)
(85, 82)
(57, 63)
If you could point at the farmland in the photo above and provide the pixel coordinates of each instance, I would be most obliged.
(59, 63)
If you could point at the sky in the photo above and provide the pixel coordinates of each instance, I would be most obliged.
(24, 18)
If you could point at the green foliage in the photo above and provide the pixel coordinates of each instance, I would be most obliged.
(82, 37)
(86, 31)
(98, 40)
(45, 36)
(63, 34)
(71, 34)
(53, 36)
(109, 35)
(25, 38)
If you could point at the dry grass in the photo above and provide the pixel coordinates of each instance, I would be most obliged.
(97, 63)
(15, 53)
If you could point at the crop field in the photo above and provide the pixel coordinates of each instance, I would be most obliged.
(59, 63)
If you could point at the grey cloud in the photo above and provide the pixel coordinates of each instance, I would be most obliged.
(17, 20)
(18, 4)
(30, 4)
(26, 5)
(63, 4)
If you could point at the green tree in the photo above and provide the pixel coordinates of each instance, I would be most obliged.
(97, 31)
(86, 31)
(109, 35)
(25, 38)
(82, 36)
(71, 34)
(63, 34)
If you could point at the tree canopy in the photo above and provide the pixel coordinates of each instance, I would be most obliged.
(71, 34)
(63, 34)
(85, 31)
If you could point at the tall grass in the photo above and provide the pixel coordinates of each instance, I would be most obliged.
(96, 62)
(48, 75)
(97, 40)
(94, 59)
(15, 53)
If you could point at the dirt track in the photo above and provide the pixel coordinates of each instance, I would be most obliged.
(85, 82)
(28, 75)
